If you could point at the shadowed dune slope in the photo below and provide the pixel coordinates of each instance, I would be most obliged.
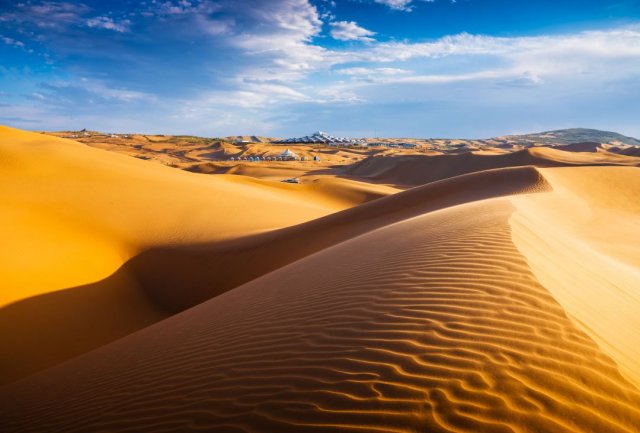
(584, 146)
(435, 323)
(411, 170)
(182, 276)
(71, 216)
(56, 326)
(630, 151)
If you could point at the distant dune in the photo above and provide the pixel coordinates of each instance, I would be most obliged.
(498, 295)
(409, 170)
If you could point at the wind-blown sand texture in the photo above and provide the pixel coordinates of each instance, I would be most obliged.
(503, 300)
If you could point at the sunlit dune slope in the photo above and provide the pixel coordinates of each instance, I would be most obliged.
(583, 244)
(434, 323)
(71, 215)
(411, 170)
(327, 191)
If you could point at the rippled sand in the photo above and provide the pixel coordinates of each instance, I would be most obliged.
(500, 301)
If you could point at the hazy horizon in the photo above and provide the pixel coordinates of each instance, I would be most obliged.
(331, 132)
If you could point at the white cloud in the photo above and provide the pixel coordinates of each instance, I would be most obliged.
(585, 60)
(101, 89)
(395, 4)
(360, 71)
(350, 31)
(179, 8)
(584, 52)
(45, 15)
(401, 5)
(337, 95)
(287, 62)
(452, 78)
(252, 95)
(280, 47)
(109, 24)
(11, 41)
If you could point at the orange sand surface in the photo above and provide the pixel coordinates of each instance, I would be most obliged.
(72, 216)
(500, 295)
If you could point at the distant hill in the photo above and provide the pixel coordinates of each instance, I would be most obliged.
(573, 135)
(248, 139)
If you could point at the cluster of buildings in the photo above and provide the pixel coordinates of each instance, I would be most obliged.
(322, 138)
(330, 140)
(287, 155)
(85, 133)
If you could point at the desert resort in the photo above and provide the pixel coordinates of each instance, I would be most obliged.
(286, 155)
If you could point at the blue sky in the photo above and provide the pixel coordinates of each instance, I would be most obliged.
(440, 68)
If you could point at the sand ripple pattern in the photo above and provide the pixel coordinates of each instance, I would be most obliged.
(433, 324)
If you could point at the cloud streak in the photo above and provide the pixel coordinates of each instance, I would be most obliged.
(109, 24)
(401, 5)
(350, 31)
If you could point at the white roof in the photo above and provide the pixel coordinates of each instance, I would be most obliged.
(318, 137)
(288, 153)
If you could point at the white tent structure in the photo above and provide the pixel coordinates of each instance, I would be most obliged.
(320, 138)
(288, 155)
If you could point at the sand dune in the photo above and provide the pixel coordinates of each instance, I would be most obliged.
(433, 323)
(584, 146)
(589, 258)
(207, 270)
(630, 151)
(497, 297)
(167, 279)
(410, 170)
(103, 204)
(72, 216)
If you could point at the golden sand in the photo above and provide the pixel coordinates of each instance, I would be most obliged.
(72, 216)
(503, 299)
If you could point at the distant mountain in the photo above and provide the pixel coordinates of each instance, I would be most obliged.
(247, 139)
(573, 135)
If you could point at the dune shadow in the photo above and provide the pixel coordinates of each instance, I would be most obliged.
(44, 330)
(405, 171)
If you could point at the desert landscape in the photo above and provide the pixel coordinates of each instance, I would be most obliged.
(487, 288)
(319, 216)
